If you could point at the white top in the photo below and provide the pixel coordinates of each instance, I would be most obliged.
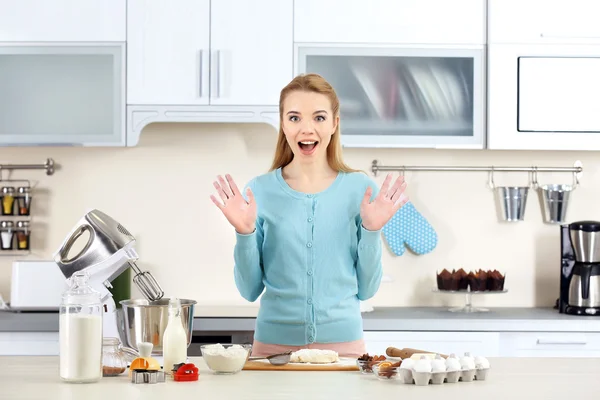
(518, 378)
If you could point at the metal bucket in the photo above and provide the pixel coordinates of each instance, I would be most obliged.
(555, 199)
(513, 200)
(146, 321)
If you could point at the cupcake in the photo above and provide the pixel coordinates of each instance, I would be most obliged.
(462, 279)
(495, 281)
(444, 280)
(477, 281)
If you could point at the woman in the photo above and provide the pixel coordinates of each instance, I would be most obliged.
(308, 231)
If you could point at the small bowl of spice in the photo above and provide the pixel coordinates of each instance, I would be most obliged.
(366, 362)
(225, 358)
(387, 370)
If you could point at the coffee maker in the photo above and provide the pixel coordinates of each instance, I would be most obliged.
(580, 268)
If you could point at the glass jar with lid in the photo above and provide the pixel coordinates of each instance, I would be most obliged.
(80, 331)
(24, 200)
(115, 357)
(8, 200)
(7, 233)
(23, 235)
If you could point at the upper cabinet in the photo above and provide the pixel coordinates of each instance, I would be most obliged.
(202, 52)
(413, 76)
(62, 72)
(543, 79)
(62, 21)
(207, 61)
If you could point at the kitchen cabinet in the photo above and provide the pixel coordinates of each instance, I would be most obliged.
(549, 344)
(405, 73)
(202, 52)
(62, 21)
(543, 62)
(477, 343)
(29, 344)
(391, 22)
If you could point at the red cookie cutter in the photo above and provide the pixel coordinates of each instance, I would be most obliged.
(186, 373)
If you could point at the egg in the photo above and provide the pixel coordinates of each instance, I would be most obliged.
(423, 365)
(452, 363)
(481, 362)
(407, 363)
(438, 364)
(467, 362)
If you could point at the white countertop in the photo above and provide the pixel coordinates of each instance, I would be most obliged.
(509, 378)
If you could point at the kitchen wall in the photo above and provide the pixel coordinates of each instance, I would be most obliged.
(160, 192)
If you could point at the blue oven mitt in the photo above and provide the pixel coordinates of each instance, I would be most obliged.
(409, 228)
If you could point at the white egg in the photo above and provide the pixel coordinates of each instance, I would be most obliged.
(423, 365)
(481, 362)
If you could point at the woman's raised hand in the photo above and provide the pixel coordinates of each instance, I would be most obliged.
(240, 213)
(375, 214)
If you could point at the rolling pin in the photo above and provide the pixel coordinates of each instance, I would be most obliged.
(407, 352)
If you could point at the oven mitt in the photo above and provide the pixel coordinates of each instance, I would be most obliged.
(408, 228)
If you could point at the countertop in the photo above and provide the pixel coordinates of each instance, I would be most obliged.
(381, 319)
(508, 378)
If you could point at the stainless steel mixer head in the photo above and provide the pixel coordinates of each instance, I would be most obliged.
(108, 252)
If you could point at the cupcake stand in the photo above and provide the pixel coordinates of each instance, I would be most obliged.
(468, 308)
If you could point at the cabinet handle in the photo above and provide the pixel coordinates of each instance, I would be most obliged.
(566, 342)
(218, 73)
(200, 76)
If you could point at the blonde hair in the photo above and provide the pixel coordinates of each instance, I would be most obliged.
(317, 84)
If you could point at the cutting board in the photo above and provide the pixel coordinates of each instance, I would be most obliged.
(345, 364)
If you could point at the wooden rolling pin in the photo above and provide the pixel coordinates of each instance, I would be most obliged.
(407, 352)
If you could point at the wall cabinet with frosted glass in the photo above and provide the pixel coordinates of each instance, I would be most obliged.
(413, 77)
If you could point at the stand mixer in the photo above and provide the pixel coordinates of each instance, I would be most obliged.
(108, 252)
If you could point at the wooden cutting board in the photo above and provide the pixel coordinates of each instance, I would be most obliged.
(345, 364)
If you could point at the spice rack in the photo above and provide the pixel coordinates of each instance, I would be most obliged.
(16, 196)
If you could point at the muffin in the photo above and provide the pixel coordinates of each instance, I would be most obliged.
(462, 279)
(444, 280)
(495, 281)
(477, 281)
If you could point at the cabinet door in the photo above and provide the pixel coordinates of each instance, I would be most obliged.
(386, 21)
(168, 52)
(29, 344)
(477, 343)
(62, 21)
(251, 51)
(549, 344)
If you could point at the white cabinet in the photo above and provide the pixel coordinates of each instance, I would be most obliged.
(168, 51)
(384, 21)
(62, 21)
(29, 344)
(477, 343)
(202, 52)
(549, 344)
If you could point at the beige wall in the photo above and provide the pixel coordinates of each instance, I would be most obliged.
(160, 192)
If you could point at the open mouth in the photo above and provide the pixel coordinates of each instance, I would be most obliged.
(308, 146)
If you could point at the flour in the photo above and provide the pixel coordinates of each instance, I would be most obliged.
(225, 359)
(80, 347)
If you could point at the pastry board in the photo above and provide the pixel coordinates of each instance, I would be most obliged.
(345, 364)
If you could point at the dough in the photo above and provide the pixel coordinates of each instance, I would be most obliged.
(314, 356)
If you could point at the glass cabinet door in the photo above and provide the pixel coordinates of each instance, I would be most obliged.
(62, 95)
(404, 97)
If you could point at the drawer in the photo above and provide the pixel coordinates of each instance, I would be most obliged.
(477, 343)
(549, 344)
(29, 344)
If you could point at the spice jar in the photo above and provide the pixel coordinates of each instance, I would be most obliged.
(6, 235)
(23, 234)
(8, 200)
(24, 200)
(115, 358)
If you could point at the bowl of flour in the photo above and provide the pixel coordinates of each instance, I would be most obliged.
(225, 358)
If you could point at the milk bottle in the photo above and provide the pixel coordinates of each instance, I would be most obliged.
(175, 339)
(80, 332)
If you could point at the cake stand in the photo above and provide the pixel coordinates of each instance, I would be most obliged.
(468, 308)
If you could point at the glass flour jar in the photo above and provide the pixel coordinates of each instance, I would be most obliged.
(80, 332)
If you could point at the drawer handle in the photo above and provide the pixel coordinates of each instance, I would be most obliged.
(566, 342)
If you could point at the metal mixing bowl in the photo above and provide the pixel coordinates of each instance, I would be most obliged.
(141, 320)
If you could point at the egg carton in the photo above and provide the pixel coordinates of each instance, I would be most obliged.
(409, 376)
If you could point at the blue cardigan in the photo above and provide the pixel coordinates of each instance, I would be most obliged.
(311, 260)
